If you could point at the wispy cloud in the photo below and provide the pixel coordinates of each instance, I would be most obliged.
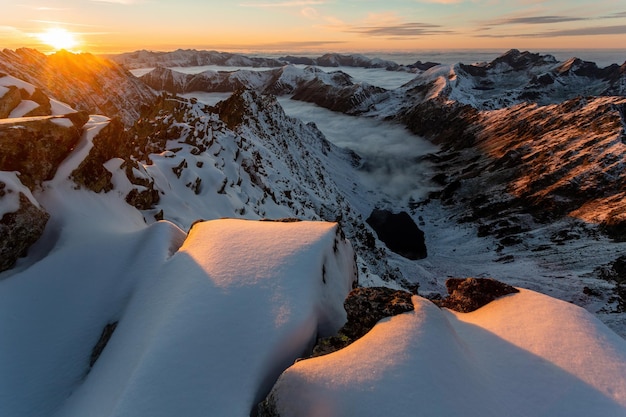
(288, 3)
(122, 2)
(60, 23)
(402, 30)
(585, 31)
(588, 31)
(9, 29)
(537, 20)
(441, 1)
(618, 15)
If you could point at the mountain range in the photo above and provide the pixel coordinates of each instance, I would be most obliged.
(131, 220)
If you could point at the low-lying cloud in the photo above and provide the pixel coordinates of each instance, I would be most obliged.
(393, 158)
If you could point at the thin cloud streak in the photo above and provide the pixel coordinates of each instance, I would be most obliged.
(122, 2)
(59, 23)
(618, 15)
(403, 30)
(537, 20)
(588, 31)
(295, 3)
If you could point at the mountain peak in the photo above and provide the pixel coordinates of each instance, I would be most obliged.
(520, 60)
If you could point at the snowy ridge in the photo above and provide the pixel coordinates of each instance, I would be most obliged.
(190, 58)
(240, 295)
(522, 355)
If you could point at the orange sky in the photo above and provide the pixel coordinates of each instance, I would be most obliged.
(111, 26)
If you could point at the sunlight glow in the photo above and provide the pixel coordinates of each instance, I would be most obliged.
(58, 38)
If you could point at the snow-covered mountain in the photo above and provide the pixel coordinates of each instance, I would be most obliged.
(190, 58)
(343, 60)
(145, 309)
(335, 91)
(519, 77)
(198, 58)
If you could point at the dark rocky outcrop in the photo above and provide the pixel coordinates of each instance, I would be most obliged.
(365, 308)
(615, 272)
(469, 294)
(114, 141)
(451, 125)
(36, 146)
(107, 144)
(341, 60)
(19, 230)
(105, 336)
(423, 66)
(341, 96)
(399, 232)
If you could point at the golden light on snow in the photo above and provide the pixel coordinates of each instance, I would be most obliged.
(58, 38)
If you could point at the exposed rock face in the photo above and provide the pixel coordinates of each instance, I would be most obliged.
(36, 146)
(9, 101)
(84, 81)
(532, 165)
(615, 272)
(469, 294)
(19, 230)
(448, 124)
(365, 308)
(349, 98)
(423, 66)
(399, 232)
(91, 173)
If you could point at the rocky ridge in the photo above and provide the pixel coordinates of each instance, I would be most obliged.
(183, 161)
(190, 58)
(33, 142)
(83, 81)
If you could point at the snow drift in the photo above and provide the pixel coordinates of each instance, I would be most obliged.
(523, 355)
(202, 331)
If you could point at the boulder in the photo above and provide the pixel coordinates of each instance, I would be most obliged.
(469, 294)
(19, 230)
(399, 232)
(365, 307)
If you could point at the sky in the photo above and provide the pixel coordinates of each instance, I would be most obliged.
(114, 26)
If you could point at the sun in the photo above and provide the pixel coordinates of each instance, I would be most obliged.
(58, 38)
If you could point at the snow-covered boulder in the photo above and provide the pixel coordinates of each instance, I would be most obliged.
(525, 355)
(202, 331)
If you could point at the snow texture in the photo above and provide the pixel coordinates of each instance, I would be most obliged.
(204, 329)
(523, 355)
